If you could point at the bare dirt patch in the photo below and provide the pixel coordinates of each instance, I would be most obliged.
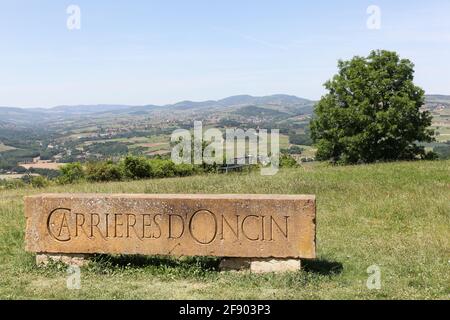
(44, 165)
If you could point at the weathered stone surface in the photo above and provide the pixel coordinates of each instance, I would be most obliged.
(260, 265)
(275, 265)
(235, 264)
(80, 260)
(249, 226)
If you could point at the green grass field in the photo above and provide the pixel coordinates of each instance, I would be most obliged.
(395, 216)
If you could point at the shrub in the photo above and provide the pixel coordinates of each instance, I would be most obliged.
(103, 172)
(11, 184)
(184, 170)
(295, 150)
(39, 182)
(287, 161)
(210, 168)
(431, 156)
(71, 172)
(137, 167)
(162, 168)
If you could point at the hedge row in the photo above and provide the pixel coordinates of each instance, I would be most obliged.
(130, 168)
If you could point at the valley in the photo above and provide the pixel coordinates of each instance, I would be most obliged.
(39, 139)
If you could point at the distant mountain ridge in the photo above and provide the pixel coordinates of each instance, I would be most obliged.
(20, 115)
(279, 103)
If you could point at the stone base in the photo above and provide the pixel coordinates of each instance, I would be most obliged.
(258, 265)
(70, 259)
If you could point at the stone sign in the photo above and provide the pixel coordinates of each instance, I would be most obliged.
(244, 226)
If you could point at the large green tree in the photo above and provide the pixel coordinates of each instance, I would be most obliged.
(372, 112)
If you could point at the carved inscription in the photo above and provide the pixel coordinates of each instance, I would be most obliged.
(223, 225)
(203, 226)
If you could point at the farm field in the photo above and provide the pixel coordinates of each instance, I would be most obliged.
(43, 165)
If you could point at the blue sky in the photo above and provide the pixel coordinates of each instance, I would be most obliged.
(156, 52)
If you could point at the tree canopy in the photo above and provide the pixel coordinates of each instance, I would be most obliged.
(372, 112)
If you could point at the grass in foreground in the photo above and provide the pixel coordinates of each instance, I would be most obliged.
(396, 216)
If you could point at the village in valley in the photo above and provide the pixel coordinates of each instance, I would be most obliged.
(68, 135)
(72, 134)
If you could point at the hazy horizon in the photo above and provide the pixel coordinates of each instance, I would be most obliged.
(153, 104)
(169, 104)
